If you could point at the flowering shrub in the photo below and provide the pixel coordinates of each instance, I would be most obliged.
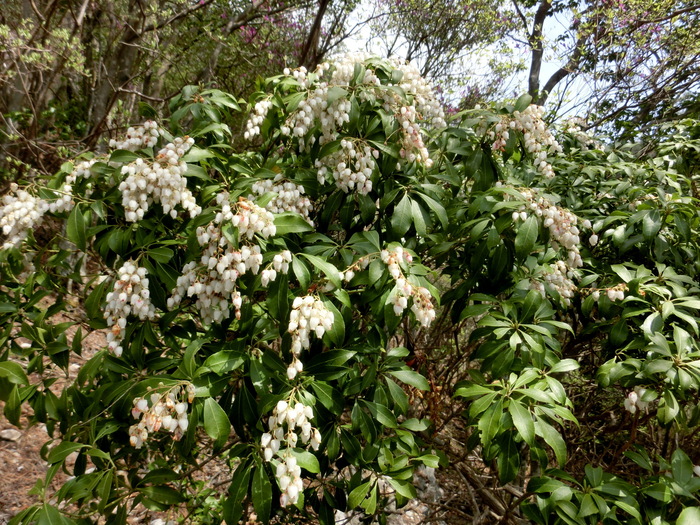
(262, 308)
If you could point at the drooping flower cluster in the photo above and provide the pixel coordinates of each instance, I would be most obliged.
(213, 279)
(560, 278)
(251, 219)
(574, 127)
(162, 182)
(351, 168)
(290, 197)
(414, 149)
(563, 233)
(138, 137)
(561, 223)
(281, 438)
(166, 411)
(280, 264)
(422, 305)
(539, 141)
(614, 293)
(130, 296)
(309, 315)
(20, 213)
(256, 119)
(65, 202)
(327, 107)
(633, 400)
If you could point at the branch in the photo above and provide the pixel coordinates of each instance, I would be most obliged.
(154, 27)
(564, 71)
(307, 55)
(535, 40)
(521, 15)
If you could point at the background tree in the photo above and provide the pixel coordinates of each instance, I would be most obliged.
(632, 61)
(454, 42)
(74, 67)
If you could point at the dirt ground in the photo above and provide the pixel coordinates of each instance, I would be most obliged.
(20, 459)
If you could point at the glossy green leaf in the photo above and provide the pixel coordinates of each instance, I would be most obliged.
(330, 271)
(306, 460)
(76, 229)
(553, 438)
(522, 419)
(402, 216)
(262, 494)
(689, 516)
(526, 237)
(216, 422)
(289, 222)
(411, 378)
(13, 372)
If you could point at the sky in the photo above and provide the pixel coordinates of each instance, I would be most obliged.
(477, 65)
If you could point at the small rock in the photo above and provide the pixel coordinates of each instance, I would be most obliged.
(10, 434)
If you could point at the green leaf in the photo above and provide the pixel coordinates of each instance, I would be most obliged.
(508, 459)
(329, 148)
(330, 271)
(472, 391)
(668, 407)
(357, 495)
(553, 438)
(334, 93)
(237, 492)
(197, 154)
(659, 491)
(398, 395)
(104, 489)
(416, 425)
(588, 506)
(63, 450)
(75, 229)
(301, 272)
(689, 516)
(489, 422)
(290, 222)
(522, 419)
(411, 378)
(640, 459)
(382, 414)
(122, 156)
(565, 365)
(13, 407)
(522, 103)
(50, 515)
(262, 494)
(623, 272)
(418, 219)
(401, 218)
(13, 372)
(8, 308)
(405, 488)
(216, 423)
(337, 332)
(162, 494)
(526, 237)
(328, 396)
(437, 208)
(389, 149)
(681, 467)
(651, 224)
(161, 254)
(307, 460)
